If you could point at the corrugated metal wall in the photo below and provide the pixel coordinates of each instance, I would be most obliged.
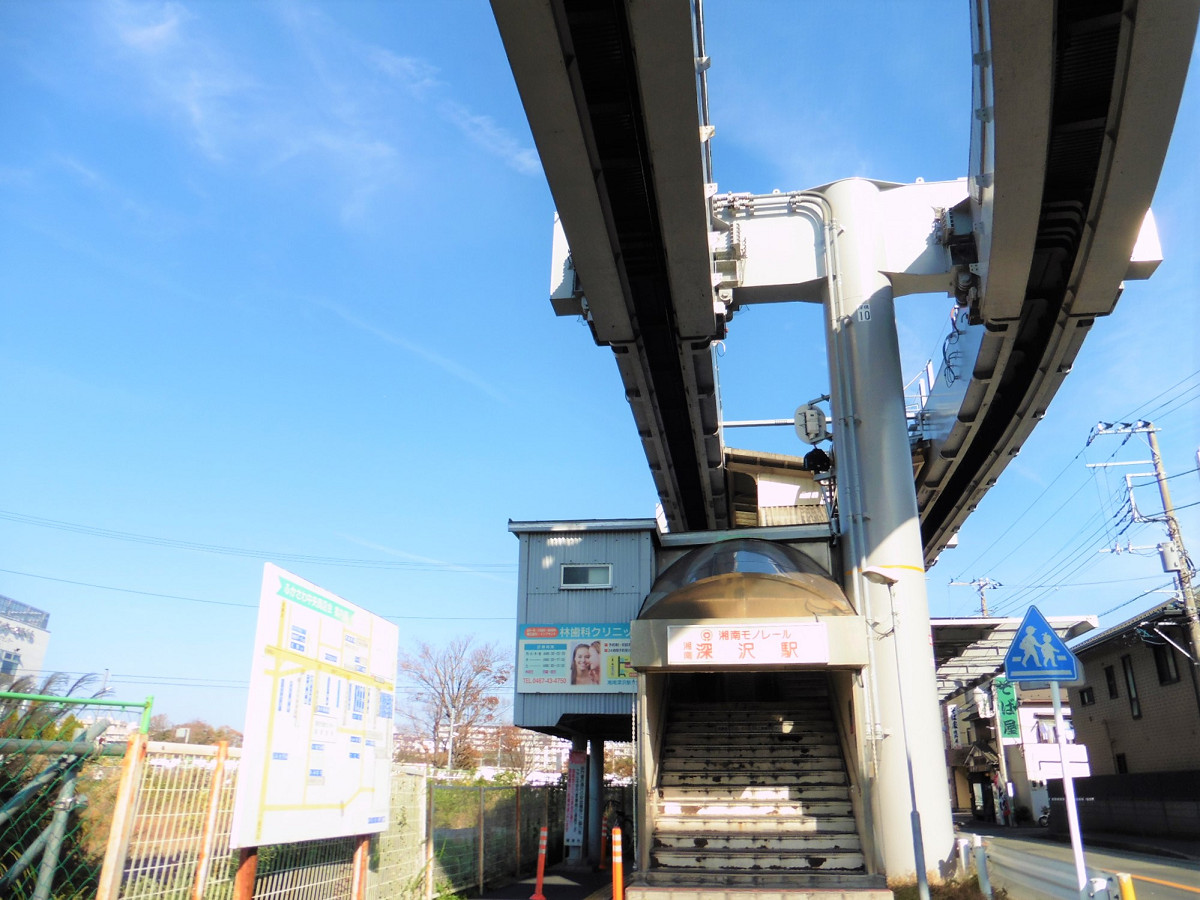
(542, 601)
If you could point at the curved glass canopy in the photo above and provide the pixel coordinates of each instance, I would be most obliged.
(744, 578)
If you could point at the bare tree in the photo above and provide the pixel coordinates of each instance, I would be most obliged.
(455, 691)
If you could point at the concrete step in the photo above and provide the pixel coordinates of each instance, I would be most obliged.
(742, 886)
(816, 725)
(766, 795)
(751, 767)
(765, 705)
(757, 860)
(731, 822)
(739, 809)
(811, 772)
(792, 709)
(780, 843)
(751, 733)
(792, 715)
(767, 754)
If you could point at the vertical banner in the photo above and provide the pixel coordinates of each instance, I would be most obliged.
(1006, 711)
(576, 794)
(954, 725)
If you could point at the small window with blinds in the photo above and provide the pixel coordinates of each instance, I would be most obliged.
(576, 576)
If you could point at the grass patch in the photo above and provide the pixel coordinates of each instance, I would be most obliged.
(954, 889)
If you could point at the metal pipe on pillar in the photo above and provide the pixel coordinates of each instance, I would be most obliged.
(595, 799)
(877, 495)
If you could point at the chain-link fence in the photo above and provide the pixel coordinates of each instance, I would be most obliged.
(484, 835)
(57, 790)
(443, 839)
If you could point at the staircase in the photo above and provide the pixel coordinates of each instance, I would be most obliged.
(753, 798)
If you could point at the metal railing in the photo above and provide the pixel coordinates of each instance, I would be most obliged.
(58, 780)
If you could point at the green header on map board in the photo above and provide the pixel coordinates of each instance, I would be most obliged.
(289, 590)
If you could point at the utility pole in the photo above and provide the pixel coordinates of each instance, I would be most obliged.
(983, 585)
(1181, 566)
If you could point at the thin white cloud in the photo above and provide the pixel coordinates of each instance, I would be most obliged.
(403, 554)
(484, 131)
(148, 27)
(449, 366)
(103, 187)
(421, 81)
(334, 112)
(416, 75)
(87, 175)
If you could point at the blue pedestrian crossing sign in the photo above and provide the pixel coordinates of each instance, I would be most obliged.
(1037, 653)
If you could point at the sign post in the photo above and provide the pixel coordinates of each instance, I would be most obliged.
(1037, 653)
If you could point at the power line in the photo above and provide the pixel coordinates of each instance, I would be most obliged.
(106, 587)
(1075, 584)
(1136, 410)
(137, 678)
(1017, 520)
(421, 565)
(1138, 597)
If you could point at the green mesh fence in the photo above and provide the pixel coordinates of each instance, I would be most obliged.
(484, 836)
(60, 761)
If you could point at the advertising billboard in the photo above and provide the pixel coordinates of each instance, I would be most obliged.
(553, 659)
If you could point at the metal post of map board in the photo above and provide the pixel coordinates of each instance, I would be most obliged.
(243, 882)
(362, 856)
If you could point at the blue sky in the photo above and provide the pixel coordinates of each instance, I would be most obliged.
(274, 281)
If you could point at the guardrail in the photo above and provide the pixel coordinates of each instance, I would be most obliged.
(1051, 879)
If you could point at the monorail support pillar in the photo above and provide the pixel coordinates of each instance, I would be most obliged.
(881, 530)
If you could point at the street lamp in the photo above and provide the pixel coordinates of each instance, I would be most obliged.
(876, 575)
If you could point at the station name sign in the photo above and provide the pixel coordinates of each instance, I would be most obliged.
(757, 644)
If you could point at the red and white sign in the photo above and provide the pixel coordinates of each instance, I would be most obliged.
(733, 644)
(576, 795)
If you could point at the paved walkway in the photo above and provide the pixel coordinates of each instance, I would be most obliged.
(570, 882)
(562, 882)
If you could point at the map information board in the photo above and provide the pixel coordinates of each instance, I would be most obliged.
(317, 754)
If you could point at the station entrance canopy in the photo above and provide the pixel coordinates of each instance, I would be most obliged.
(967, 652)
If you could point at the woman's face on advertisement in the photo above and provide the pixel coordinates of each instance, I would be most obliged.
(582, 659)
(594, 658)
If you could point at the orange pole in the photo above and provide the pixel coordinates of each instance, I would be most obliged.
(120, 828)
(541, 875)
(604, 841)
(243, 882)
(362, 856)
(618, 870)
(210, 822)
